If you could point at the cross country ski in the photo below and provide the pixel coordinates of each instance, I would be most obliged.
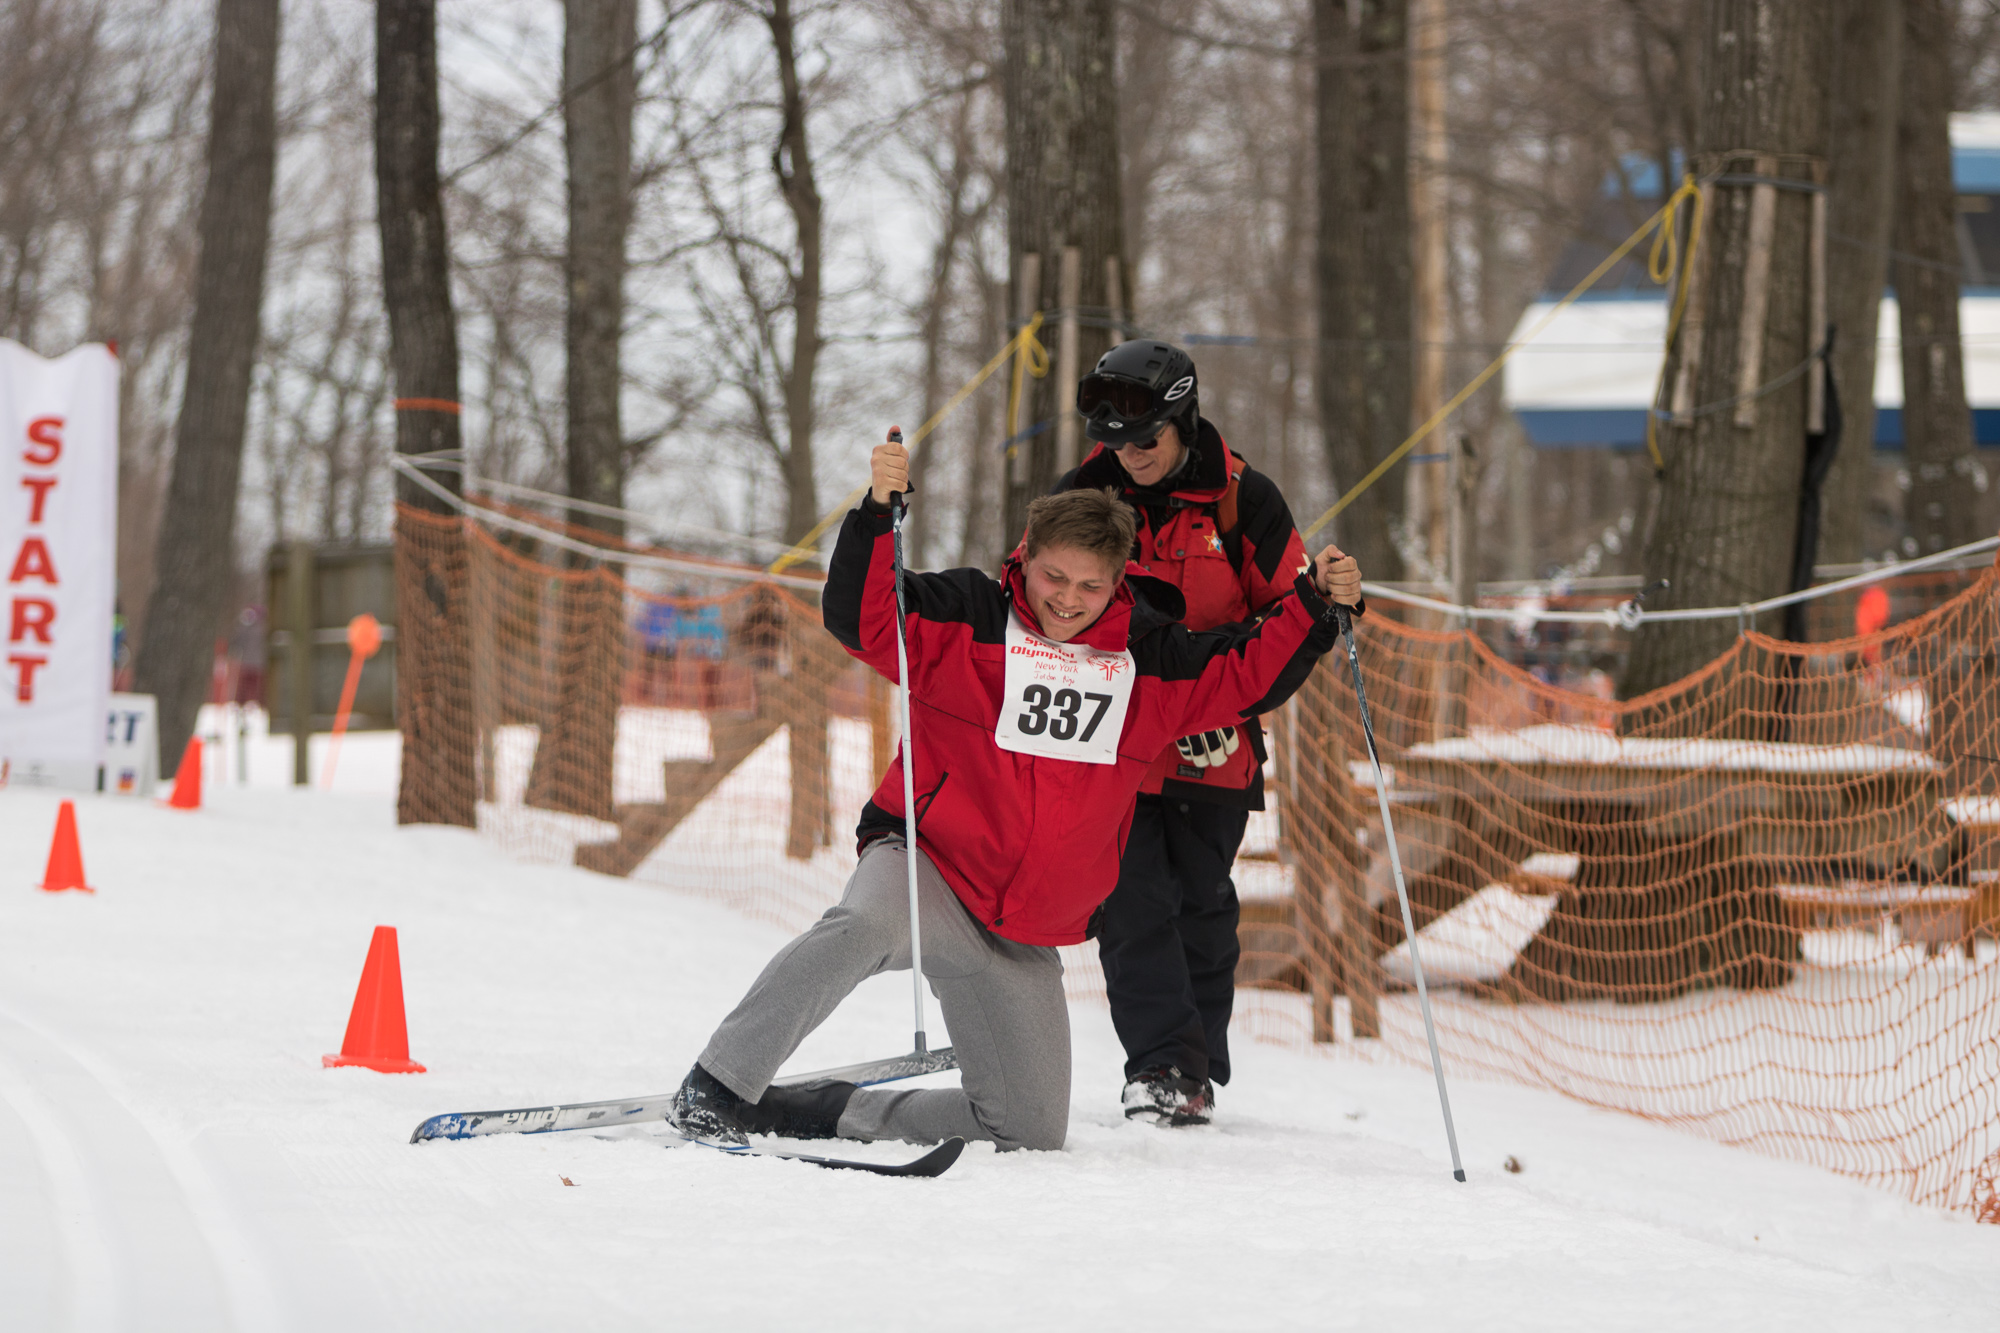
(638, 1110)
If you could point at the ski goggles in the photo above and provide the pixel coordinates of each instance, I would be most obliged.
(1114, 397)
(1121, 413)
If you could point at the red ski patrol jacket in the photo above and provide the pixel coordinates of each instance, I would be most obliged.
(1221, 533)
(1030, 843)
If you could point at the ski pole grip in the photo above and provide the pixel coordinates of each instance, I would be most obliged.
(896, 497)
(1343, 618)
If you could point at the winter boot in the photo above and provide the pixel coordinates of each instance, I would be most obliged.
(705, 1108)
(805, 1113)
(1166, 1096)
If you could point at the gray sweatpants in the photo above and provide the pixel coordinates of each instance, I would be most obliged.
(1002, 1001)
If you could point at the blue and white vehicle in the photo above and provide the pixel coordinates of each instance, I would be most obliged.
(1587, 380)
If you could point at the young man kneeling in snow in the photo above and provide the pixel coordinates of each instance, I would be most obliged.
(1038, 703)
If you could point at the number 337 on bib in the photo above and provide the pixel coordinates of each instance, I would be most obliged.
(1063, 701)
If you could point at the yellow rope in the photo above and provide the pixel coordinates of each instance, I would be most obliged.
(1664, 274)
(1478, 381)
(1024, 342)
(1034, 360)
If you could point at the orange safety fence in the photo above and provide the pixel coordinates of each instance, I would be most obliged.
(1760, 905)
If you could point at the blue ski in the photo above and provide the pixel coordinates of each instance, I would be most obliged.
(638, 1110)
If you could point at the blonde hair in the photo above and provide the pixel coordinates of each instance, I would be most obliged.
(1094, 521)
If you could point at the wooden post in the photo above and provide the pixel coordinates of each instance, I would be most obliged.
(1756, 292)
(299, 579)
(1464, 517)
(1463, 494)
(1332, 910)
(1816, 319)
(1068, 294)
(1694, 317)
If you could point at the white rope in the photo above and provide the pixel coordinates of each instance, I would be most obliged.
(413, 469)
(662, 534)
(1630, 615)
(1626, 615)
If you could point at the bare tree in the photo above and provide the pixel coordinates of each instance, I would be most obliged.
(1365, 260)
(101, 109)
(792, 161)
(572, 769)
(599, 41)
(1734, 449)
(1063, 185)
(1861, 165)
(757, 285)
(1937, 424)
(190, 594)
(434, 704)
(965, 198)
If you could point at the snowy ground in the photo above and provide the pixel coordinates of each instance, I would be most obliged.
(172, 1155)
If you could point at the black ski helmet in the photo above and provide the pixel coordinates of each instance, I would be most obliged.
(1137, 387)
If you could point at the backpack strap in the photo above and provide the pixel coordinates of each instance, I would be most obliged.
(1225, 508)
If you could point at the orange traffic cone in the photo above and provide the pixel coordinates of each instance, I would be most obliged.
(65, 855)
(187, 778)
(376, 1036)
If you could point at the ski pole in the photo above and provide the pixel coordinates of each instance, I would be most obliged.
(1402, 894)
(896, 512)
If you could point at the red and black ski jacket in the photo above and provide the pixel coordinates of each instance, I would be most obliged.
(1219, 531)
(1031, 845)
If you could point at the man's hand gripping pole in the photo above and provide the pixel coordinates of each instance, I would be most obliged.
(1402, 894)
(897, 510)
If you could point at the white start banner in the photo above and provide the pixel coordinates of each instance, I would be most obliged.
(58, 549)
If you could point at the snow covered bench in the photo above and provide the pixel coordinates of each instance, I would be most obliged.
(1933, 915)
(1478, 940)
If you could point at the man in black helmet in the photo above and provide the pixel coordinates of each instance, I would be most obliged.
(1220, 532)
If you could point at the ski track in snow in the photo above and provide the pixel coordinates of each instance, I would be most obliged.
(172, 1155)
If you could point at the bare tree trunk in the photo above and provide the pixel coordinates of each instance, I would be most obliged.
(792, 161)
(1860, 177)
(956, 224)
(1940, 510)
(1062, 189)
(979, 540)
(572, 769)
(598, 76)
(812, 808)
(1365, 261)
(1735, 445)
(1428, 489)
(197, 531)
(433, 680)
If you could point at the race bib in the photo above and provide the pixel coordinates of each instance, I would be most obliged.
(1063, 701)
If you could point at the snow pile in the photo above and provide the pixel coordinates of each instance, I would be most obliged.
(1558, 743)
(172, 1155)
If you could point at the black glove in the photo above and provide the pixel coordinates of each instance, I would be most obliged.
(1207, 748)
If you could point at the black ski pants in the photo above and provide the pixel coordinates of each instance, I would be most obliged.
(1167, 938)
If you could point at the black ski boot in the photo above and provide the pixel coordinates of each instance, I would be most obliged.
(704, 1108)
(1166, 1096)
(805, 1113)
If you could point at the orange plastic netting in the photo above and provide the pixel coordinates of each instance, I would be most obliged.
(1760, 904)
